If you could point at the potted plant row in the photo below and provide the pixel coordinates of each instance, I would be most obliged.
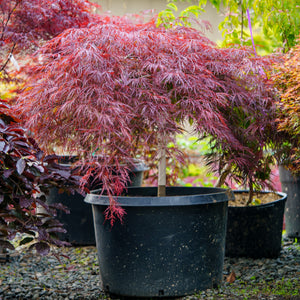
(287, 83)
(123, 90)
(255, 217)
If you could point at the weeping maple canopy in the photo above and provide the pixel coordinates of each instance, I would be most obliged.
(112, 89)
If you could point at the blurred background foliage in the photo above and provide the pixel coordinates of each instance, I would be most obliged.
(275, 23)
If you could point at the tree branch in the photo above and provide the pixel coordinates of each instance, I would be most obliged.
(8, 18)
(8, 58)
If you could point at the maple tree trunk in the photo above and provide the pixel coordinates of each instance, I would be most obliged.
(223, 175)
(161, 191)
(251, 193)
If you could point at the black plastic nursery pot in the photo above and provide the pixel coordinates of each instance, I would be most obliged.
(291, 186)
(79, 223)
(166, 246)
(255, 231)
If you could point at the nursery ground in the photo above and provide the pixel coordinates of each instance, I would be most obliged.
(75, 276)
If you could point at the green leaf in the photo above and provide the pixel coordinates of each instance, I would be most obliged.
(202, 3)
(192, 10)
(172, 6)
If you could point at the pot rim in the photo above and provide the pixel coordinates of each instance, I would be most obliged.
(139, 165)
(281, 194)
(178, 196)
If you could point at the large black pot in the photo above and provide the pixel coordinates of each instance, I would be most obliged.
(167, 246)
(79, 223)
(255, 231)
(291, 186)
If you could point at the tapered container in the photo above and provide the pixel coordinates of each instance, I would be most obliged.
(255, 231)
(166, 246)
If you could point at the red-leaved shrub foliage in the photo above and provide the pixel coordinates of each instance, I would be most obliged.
(26, 24)
(26, 175)
(115, 88)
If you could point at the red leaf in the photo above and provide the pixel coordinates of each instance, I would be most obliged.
(64, 174)
(7, 173)
(2, 145)
(21, 164)
(42, 248)
(6, 245)
(25, 202)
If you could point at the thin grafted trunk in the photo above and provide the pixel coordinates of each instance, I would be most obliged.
(221, 180)
(161, 192)
(251, 193)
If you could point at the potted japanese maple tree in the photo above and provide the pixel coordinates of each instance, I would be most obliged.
(255, 216)
(122, 90)
(254, 227)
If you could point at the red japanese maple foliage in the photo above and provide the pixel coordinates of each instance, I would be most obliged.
(116, 88)
(26, 24)
(288, 84)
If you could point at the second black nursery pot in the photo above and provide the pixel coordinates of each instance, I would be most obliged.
(255, 231)
(79, 223)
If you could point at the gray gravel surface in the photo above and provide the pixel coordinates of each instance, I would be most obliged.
(75, 276)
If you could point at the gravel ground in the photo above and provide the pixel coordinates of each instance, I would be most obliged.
(75, 276)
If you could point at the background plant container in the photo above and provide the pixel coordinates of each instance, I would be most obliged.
(255, 231)
(291, 186)
(79, 223)
(166, 246)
